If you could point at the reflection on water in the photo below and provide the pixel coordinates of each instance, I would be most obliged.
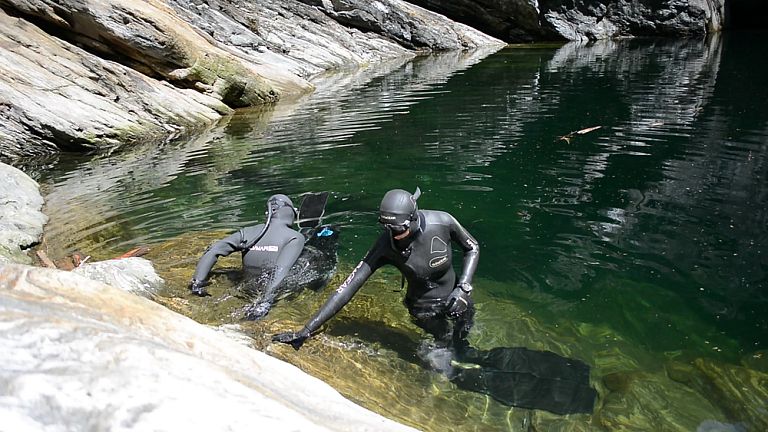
(629, 247)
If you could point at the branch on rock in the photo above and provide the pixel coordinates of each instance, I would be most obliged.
(135, 252)
(44, 259)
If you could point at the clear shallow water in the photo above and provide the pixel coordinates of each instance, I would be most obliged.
(645, 237)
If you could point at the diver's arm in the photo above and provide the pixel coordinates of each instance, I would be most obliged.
(288, 255)
(220, 248)
(471, 251)
(340, 297)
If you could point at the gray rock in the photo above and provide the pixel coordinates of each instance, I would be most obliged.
(21, 218)
(135, 275)
(537, 20)
(81, 355)
(408, 25)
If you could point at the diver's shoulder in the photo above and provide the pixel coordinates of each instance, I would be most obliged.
(437, 216)
(252, 230)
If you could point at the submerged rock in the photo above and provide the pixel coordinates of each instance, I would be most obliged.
(21, 218)
(81, 355)
(741, 392)
(646, 401)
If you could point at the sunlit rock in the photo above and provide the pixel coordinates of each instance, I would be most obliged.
(153, 39)
(81, 355)
(55, 96)
(408, 25)
(133, 274)
(21, 221)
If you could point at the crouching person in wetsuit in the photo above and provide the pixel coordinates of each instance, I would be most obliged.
(418, 243)
(269, 250)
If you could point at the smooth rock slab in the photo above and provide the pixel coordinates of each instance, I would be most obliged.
(80, 355)
(135, 275)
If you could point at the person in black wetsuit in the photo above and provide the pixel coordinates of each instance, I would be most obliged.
(418, 243)
(269, 250)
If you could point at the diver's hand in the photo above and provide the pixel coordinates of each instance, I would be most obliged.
(458, 301)
(295, 339)
(198, 287)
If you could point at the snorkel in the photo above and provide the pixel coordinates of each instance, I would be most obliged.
(274, 204)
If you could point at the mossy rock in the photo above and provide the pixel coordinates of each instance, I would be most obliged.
(237, 85)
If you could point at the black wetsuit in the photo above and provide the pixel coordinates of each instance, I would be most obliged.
(269, 260)
(425, 260)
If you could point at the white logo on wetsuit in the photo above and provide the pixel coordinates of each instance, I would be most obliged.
(438, 261)
(267, 248)
(438, 246)
(349, 278)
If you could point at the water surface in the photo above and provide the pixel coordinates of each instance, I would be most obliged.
(641, 241)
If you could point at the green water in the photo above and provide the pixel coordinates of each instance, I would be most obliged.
(637, 243)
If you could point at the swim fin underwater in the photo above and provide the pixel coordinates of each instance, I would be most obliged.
(526, 378)
(518, 377)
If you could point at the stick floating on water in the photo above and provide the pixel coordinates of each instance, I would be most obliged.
(567, 137)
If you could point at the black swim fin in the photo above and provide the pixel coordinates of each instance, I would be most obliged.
(527, 379)
(312, 209)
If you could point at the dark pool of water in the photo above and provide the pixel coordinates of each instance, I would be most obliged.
(653, 225)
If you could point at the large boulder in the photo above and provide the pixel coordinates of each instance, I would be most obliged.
(21, 218)
(81, 355)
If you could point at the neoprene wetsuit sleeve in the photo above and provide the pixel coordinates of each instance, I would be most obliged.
(220, 248)
(471, 251)
(341, 296)
(288, 255)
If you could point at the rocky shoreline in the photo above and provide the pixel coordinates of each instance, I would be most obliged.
(92, 75)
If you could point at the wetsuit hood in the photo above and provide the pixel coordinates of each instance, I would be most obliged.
(398, 207)
(280, 207)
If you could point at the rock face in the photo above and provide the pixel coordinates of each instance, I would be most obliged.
(56, 96)
(21, 219)
(536, 20)
(81, 355)
(408, 25)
